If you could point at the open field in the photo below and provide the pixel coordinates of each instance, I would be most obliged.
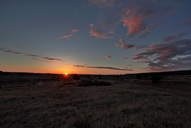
(125, 103)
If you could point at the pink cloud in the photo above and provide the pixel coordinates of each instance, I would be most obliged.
(127, 46)
(134, 23)
(140, 46)
(91, 25)
(66, 36)
(146, 30)
(174, 37)
(74, 30)
(98, 34)
(135, 17)
(121, 41)
(108, 57)
(116, 44)
(175, 55)
(139, 56)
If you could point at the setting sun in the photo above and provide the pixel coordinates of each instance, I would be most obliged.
(66, 73)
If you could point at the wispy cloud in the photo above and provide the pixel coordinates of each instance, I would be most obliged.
(66, 36)
(98, 34)
(74, 30)
(146, 30)
(91, 25)
(9, 51)
(70, 34)
(167, 56)
(169, 8)
(134, 19)
(39, 60)
(107, 57)
(140, 46)
(116, 44)
(134, 23)
(80, 66)
(174, 37)
(52, 59)
(127, 46)
(104, 67)
(32, 56)
(139, 17)
(121, 40)
(43, 59)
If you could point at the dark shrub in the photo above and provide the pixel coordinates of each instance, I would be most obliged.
(83, 84)
(88, 76)
(155, 79)
(145, 76)
(93, 83)
(138, 76)
(103, 83)
(76, 77)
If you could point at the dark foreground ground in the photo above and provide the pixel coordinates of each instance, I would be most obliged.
(125, 103)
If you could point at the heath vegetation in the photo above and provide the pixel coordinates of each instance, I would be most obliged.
(125, 103)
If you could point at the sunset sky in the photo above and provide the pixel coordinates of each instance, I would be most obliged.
(95, 36)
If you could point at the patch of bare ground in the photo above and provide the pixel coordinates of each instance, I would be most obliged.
(125, 103)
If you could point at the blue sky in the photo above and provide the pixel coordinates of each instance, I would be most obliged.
(95, 36)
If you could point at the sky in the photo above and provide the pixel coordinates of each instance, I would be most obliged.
(95, 36)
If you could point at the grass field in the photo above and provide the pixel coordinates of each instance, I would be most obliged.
(125, 103)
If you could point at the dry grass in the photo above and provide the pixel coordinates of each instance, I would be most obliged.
(126, 103)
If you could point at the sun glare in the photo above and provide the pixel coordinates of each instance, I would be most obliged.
(66, 73)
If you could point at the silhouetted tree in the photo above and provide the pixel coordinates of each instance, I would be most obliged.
(155, 79)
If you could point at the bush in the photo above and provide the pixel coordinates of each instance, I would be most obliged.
(138, 76)
(76, 77)
(93, 83)
(155, 79)
(103, 83)
(83, 84)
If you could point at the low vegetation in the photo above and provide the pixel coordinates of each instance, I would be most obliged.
(125, 103)
(93, 83)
